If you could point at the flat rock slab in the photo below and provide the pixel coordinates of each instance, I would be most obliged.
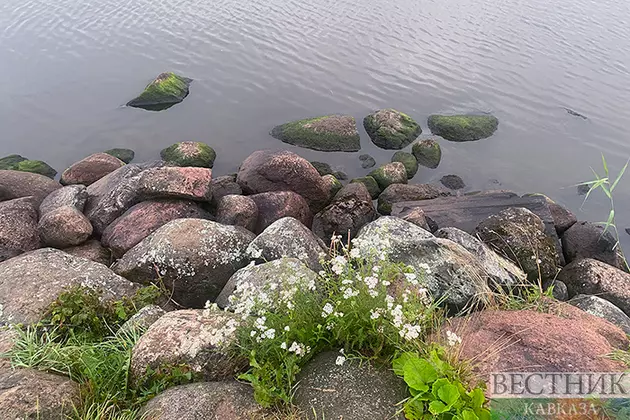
(30, 282)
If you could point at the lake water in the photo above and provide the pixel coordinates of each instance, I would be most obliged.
(67, 66)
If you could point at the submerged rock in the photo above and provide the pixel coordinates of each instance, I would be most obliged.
(427, 152)
(17, 184)
(194, 258)
(90, 169)
(410, 162)
(452, 182)
(126, 155)
(162, 93)
(391, 173)
(19, 163)
(367, 161)
(18, 227)
(371, 185)
(463, 127)
(265, 171)
(189, 153)
(391, 129)
(330, 133)
(350, 391)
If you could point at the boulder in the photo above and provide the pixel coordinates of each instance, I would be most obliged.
(519, 235)
(224, 400)
(222, 186)
(339, 391)
(90, 169)
(597, 306)
(408, 160)
(92, 250)
(563, 218)
(287, 237)
(194, 258)
(162, 93)
(189, 153)
(559, 291)
(145, 218)
(126, 155)
(8, 337)
(275, 279)
(463, 127)
(18, 227)
(197, 338)
(397, 193)
(176, 182)
(367, 161)
(73, 195)
(391, 129)
(239, 210)
(528, 341)
(17, 184)
(416, 216)
(49, 273)
(333, 185)
(388, 174)
(330, 133)
(452, 182)
(19, 163)
(265, 171)
(588, 240)
(64, 227)
(143, 319)
(324, 169)
(350, 209)
(451, 273)
(501, 272)
(593, 277)
(31, 394)
(371, 185)
(427, 152)
(112, 195)
(275, 205)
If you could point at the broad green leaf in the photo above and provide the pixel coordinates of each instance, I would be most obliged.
(468, 415)
(437, 407)
(399, 363)
(449, 394)
(478, 398)
(439, 384)
(623, 170)
(419, 371)
(414, 410)
(437, 361)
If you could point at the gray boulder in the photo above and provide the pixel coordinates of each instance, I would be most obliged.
(64, 227)
(92, 250)
(501, 272)
(593, 277)
(238, 210)
(143, 319)
(49, 273)
(350, 210)
(194, 258)
(72, 195)
(18, 227)
(272, 278)
(417, 217)
(588, 240)
(222, 186)
(328, 390)
(559, 291)
(519, 235)
(275, 205)
(189, 183)
(288, 237)
(597, 306)
(18, 184)
(225, 400)
(198, 338)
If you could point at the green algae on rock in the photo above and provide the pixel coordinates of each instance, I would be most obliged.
(165, 91)
(330, 133)
(391, 173)
(408, 160)
(391, 129)
(126, 155)
(20, 163)
(189, 153)
(371, 185)
(463, 127)
(427, 152)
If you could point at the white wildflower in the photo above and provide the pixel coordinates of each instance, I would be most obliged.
(339, 264)
(287, 328)
(453, 338)
(340, 360)
(346, 281)
(375, 314)
(410, 332)
(355, 253)
(327, 310)
(371, 282)
(283, 346)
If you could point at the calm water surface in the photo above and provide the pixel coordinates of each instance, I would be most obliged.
(66, 66)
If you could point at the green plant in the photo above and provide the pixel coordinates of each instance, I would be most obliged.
(604, 184)
(360, 303)
(437, 391)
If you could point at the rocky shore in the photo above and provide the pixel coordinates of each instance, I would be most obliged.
(114, 226)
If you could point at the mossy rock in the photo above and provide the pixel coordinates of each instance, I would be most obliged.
(322, 168)
(371, 185)
(367, 161)
(409, 161)
(391, 129)
(20, 163)
(427, 153)
(391, 173)
(165, 91)
(189, 153)
(333, 185)
(126, 155)
(463, 127)
(330, 133)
